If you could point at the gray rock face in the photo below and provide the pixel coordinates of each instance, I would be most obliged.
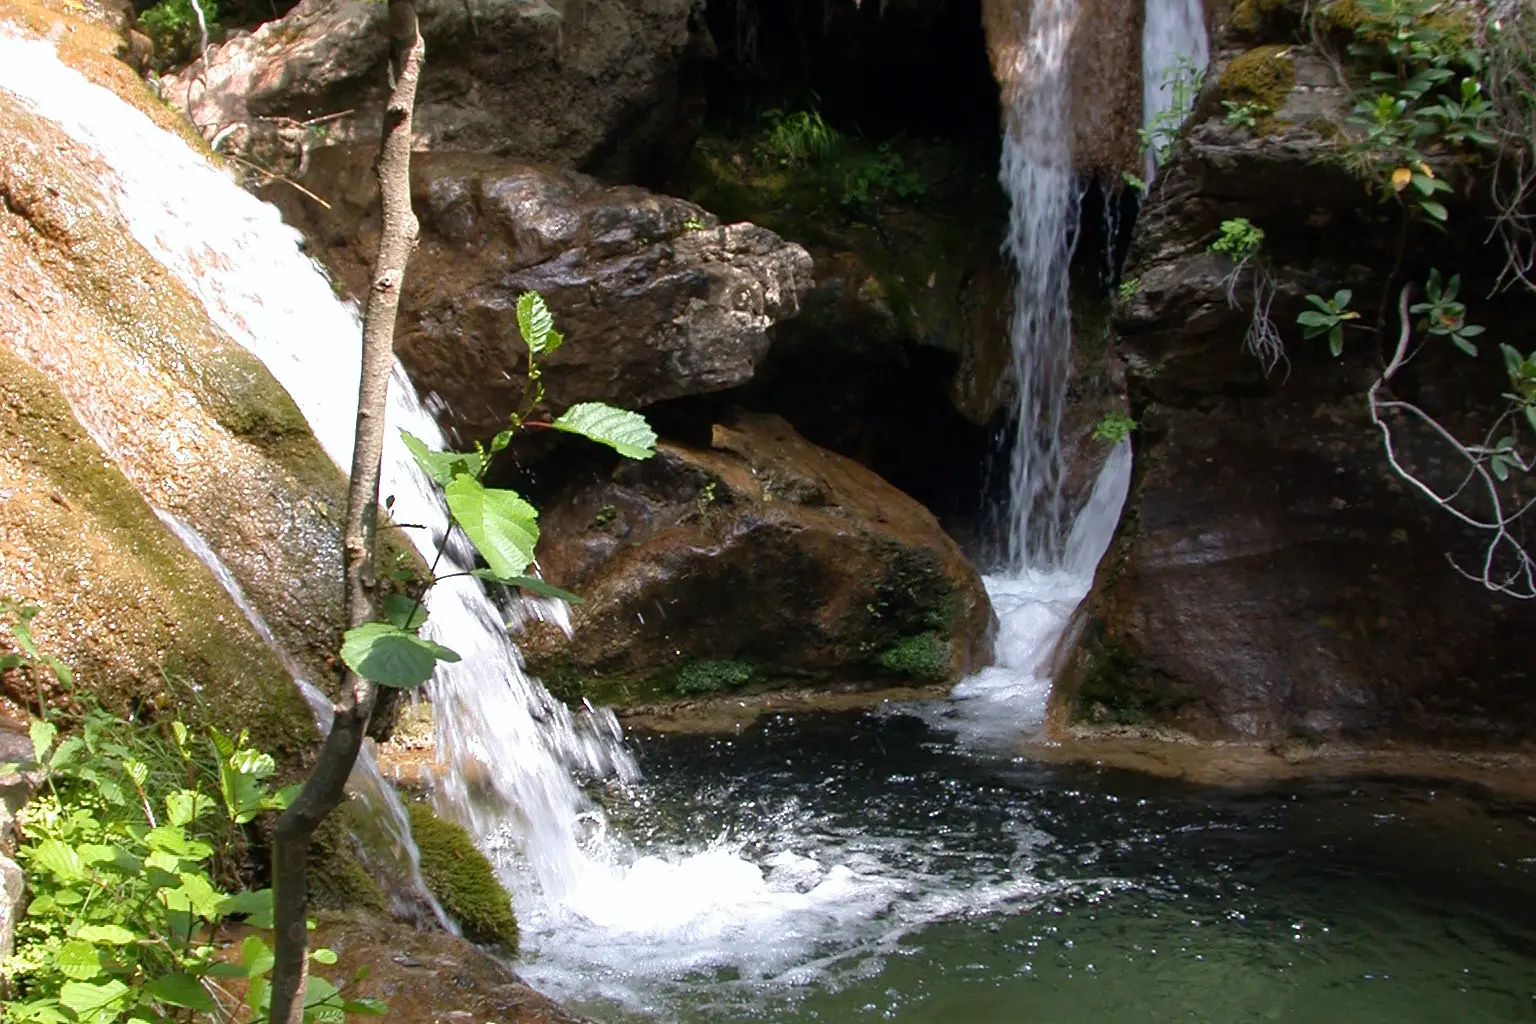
(657, 300)
(1273, 577)
(12, 886)
(583, 83)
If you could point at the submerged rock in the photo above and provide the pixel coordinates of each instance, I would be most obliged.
(1272, 576)
(656, 298)
(762, 559)
(594, 85)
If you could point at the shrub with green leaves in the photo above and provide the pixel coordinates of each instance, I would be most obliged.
(1114, 427)
(502, 526)
(1183, 80)
(173, 27)
(122, 846)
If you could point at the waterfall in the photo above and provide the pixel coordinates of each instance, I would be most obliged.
(384, 831)
(1037, 174)
(1174, 29)
(510, 749)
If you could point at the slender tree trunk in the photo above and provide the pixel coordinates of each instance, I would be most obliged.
(324, 788)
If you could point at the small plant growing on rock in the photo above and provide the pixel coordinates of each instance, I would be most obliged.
(1129, 289)
(1245, 115)
(1241, 242)
(1183, 81)
(1329, 317)
(1115, 427)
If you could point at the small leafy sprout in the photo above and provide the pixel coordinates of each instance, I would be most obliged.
(502, 526)
(694, 224)
(1182, 81)
(1244, 115)
(1328, 318)
(1443, 316)
(1239, 239)
(1114, 427)
(1134, 181)
(1522, 378)
(1129, 289)
(1503, 458)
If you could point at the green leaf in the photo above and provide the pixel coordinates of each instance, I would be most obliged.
(78, 959)
(366, 1007)
(323, 956)
(321, 1002)
(1513, 360)
(1312, 318)
(503, 527)
(1465, 345)
(256, 904)
(1500, 467)
(1336, 340)
(1341, 298)
(537, 324)
(183, 806)
(196, 895)
(42, 734)
(255, 956)
(88, 998)
(391, 656)
(1434, 209)
(532, 584)
(404, 612)
(1530, 416)
(181, 990)
(106, 934)
(624, 431)
(57, 859)
(442, 466)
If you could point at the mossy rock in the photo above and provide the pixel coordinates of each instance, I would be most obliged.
(337, 879)
(1262, 78)
(922, 656)
(464, 881)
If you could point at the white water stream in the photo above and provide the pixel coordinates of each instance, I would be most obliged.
(1174, 29)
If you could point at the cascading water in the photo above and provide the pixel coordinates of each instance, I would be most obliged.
(505, 742)
(1051, 555)
(1174, 30)
(384, 826)
(1037, 174)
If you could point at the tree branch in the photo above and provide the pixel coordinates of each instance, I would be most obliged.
(324, 788)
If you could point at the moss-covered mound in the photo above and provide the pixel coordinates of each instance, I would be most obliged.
(463, 880)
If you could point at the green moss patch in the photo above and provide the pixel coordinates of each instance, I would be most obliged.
(1263, 78)
(713, 676)
(920, 656)
(463, 881)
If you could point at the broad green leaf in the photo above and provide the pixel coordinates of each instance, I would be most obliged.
(184, 805)
(91, 998)
(96, 853)
(255, 956)
(1514, 362)
(323, 956)
(1500, 467)
(35, 1011)
(258, 995)
(366, 1007)
(1434, 209)
(42, 737)
(57, 859)
(391, 656)
(196, 895)
(405, 612)
(78, 959)
(1341, 298)
(624, 431)
(256, 904)
(181, 990)
(532, 584)
(1465, 345)
(322, 1001)
(174, 840)
(536, 324)
(106, 934)
(503, 527)
(1336, 341)
(442, 466)
(255, 763)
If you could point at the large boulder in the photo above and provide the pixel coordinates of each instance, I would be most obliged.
(592, 85)
(657, 298)
(1273, 577)
(760, 559)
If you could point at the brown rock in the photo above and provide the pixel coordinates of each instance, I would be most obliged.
(1273, 577)
(759, 559)
(657, 299)
(592, 85)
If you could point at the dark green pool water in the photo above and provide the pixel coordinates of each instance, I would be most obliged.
(942, 886)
